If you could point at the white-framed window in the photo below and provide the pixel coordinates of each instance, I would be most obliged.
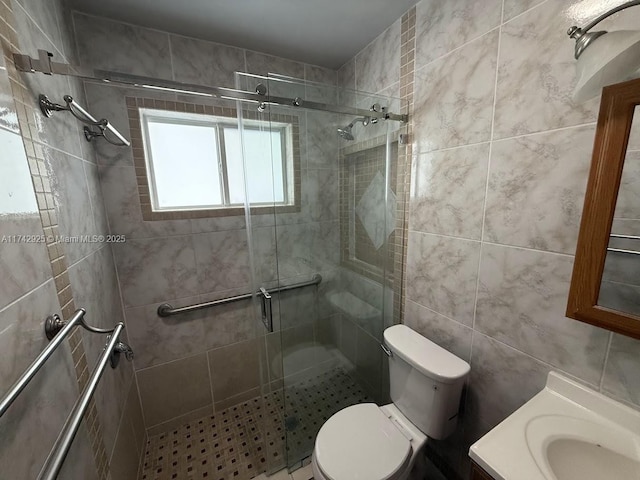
(194, 161)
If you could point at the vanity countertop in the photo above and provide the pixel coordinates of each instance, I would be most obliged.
(560, 433)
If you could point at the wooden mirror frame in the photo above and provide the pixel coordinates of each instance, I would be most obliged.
(617, 108)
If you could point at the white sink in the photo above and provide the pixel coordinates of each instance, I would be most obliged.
(566, 432)
(569, 448)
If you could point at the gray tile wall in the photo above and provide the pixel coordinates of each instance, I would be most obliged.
(189, 261)
(69, 174)
(501, 156)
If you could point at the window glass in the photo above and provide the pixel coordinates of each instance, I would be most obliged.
(187, 154)
(265, 178)
(185, 165)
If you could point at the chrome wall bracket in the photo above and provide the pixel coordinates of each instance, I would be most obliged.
(103, 126)
(52, 325)
(119, 349)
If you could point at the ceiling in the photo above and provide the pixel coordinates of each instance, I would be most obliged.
(320, 32)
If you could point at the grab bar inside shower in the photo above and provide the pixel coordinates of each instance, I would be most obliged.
(56, 331)
(166, 310)
(60, 449)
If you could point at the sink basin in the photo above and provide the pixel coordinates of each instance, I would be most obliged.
(568, 448)
(566, 432)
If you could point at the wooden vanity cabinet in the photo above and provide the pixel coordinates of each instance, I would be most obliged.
(477, 473)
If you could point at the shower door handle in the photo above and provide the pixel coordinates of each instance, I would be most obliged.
(267, 312)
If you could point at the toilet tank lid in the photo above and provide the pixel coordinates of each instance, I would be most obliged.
(422, 354)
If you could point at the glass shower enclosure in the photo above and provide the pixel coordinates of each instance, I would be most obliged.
(320, 209)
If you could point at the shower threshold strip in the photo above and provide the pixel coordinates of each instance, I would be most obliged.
(166, 310)
(44, 64)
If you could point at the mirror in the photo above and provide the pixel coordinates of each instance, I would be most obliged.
(605, 286)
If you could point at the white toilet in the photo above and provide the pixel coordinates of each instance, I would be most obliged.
(367, 442)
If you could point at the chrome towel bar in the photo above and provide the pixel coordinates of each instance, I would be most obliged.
(166, 310)
(630, 237)
(56, 331)
(48, 107)
(60, 449)
(622, 250)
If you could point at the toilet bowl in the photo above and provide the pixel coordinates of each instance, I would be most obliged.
(368, 442)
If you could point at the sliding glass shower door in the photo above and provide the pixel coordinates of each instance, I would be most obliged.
(320, 208)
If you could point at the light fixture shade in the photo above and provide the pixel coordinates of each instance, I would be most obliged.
(612, 58)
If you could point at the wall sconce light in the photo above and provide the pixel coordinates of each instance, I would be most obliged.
(605, 57)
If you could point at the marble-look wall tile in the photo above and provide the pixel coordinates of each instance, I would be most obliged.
(536, 74)
(8, 112)
(222, 260)
(296, 306)
(231, 323)
(111, 397)
(61, 132)
(536, 189)
(313, 73)
(126, 454)
(621, 372)
(522, 298)
(443, 273)
(79, 462)
(96, 273)
(502, 379)
(205, 63)
(262, 64)
(324, 253)
(448, 190)
(450, 335)
(444, 26)
(24, 266)
(320, 195)
(122, 202)
(234, 369)
(98, 209)
(109, 45)
(157, 340)
(322, 139)
(454, 96)
(347, 75)
(47, 15)
(40, 411)
(73, 202)
(173, 389)
(108, 101)
(265, 261)
(153, 270)
(378, 64)
(369, 361)
(293, 251)
(512, 8)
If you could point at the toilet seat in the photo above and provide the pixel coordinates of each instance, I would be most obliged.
(361, 443)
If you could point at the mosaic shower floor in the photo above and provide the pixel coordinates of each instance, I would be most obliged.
(242, 441)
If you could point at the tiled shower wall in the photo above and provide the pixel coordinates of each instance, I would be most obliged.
(188, 364)
(501, 156)
(48, 164)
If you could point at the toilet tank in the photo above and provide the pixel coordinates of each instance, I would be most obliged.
(426, 381)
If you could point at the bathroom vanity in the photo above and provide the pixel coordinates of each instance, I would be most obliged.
(566, 432)
(477, 473)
